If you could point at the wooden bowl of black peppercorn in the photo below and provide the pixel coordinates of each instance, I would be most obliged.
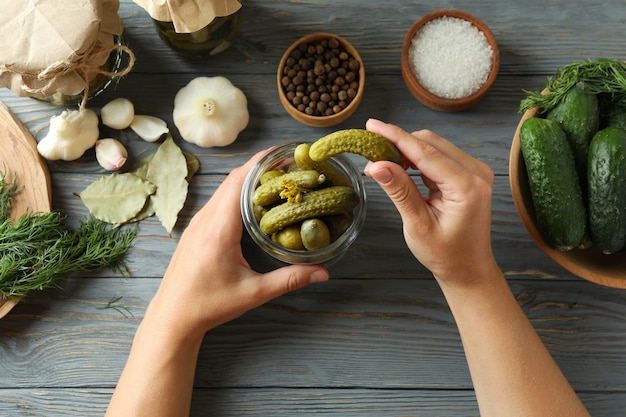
(320, 79)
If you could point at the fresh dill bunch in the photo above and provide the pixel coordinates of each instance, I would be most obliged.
(38, 250)
(604, 76)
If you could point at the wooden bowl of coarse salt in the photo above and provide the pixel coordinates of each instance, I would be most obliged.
(450, 59)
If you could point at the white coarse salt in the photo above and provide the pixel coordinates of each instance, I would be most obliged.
(450, 57)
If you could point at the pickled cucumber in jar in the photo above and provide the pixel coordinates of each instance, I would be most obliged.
(212, 39)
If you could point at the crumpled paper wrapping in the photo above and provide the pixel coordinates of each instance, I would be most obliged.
(46, 48)
(188, 16)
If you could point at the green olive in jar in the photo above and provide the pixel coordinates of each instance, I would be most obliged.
(315, 234)
(289, 237)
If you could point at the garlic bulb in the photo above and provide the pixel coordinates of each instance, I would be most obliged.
(118, 113)
(210, 111)
(111, 154)
(71, 133)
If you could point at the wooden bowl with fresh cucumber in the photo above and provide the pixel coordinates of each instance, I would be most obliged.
(590, 264)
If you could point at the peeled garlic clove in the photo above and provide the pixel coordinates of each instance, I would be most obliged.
(111, 154)
(149, 128)
(118, 113)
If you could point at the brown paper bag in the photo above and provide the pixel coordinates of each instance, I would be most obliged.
(48, 46)
(188, 15)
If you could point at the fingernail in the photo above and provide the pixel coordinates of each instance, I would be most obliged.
(319, 276)
(374, 121)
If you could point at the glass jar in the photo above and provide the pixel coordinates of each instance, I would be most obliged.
(212, 39)
(98, 84)
(281, 157)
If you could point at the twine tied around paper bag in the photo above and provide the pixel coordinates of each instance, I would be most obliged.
(61, 68)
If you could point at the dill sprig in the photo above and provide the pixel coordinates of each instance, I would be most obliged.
(37, 250)
(122, 309)
(602, 76)
(7, 190)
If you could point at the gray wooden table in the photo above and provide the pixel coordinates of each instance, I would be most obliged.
(378, 339)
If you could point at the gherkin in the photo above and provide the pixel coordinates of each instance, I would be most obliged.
(358, 141)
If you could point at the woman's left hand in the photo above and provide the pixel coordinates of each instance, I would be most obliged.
(208, 281)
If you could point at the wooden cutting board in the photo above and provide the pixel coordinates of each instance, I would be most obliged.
(20, 159)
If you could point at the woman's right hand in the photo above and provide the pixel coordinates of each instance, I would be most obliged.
(449, 229)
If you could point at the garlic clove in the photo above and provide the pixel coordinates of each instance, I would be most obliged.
(111, 154)
(149, 128)
(118, 113)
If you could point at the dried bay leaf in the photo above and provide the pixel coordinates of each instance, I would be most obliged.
(140, 168)
(193, 165)
(117, 198)
(145, 212)
(170, 202)
(168, 171)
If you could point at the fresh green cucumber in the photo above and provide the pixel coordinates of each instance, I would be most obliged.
(578, 115)
(560, 212)
(607, 189)
(616, 117)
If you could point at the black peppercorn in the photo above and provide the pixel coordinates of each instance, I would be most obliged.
(320, 78)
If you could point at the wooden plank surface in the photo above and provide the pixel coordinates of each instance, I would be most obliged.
(369, 333)
(322, 342)
(378, 339)
(309, 402)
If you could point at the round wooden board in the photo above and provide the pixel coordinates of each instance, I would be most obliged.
(23, 164)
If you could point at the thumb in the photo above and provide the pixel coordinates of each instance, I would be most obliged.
(398, 185)
(291, 278)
